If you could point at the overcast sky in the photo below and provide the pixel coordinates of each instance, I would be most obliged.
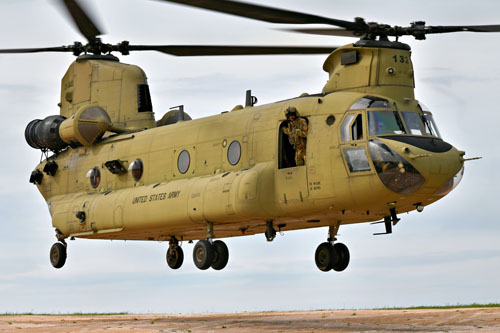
(448, 254)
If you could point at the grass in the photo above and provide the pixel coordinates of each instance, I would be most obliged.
(445, 307)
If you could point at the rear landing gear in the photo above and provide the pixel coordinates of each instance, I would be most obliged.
(207, 254)
(221, 255)
(58, 255)
(175, 255)
(203, 254)
(330, 256)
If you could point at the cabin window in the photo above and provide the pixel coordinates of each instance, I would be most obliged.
(183, 161)
(356, 159)
(94, 176)
(385, 122)
(136, 169)
(144, 103)
(234, 152)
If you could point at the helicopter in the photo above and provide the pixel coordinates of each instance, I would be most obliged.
(116, 173)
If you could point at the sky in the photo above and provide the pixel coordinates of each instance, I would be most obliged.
(448, 254)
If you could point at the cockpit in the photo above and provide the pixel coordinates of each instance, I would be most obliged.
(365, 130)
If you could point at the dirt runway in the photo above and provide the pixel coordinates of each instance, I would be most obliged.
(449, 320)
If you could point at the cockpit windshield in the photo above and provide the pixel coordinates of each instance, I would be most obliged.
(413, 123)
(389, 122)
(385, 122)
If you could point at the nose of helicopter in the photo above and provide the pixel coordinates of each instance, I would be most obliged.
(435, 169)
(446, 171)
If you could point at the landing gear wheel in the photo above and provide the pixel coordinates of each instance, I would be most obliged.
(175, 257)
(221, 255)
(343, 257)
(325, 257)
(57, 255)
(203, 254)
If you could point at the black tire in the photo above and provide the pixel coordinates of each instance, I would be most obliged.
(203, 254)
(325, 257)
(57, 255)
(221, 255)
(343, 255)
(175, 257)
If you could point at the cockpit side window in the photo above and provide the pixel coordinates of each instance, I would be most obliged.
(385, 122)
(357, 128)
(345, 128)
(430, 125)
(352, 128)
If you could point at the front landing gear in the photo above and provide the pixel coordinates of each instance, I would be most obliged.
(325, 257)
(58, 255)
(330, 256)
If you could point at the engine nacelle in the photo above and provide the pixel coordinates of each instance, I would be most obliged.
(44, 134)
(56, 132)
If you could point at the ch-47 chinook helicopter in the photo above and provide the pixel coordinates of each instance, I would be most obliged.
(111, 171)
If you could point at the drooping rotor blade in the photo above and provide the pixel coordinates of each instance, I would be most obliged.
(82, 19)
(263, 13)
(227, 50)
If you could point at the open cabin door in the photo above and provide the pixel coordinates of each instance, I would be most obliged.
(290, 180)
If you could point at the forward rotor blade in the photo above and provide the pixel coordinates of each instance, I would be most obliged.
(226, 50)
(39, 49)
(263, 13)
(471, 28)
(325, 31)
(82, 19)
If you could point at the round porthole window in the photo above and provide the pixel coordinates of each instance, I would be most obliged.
(94, 175)
(136, 169)
(330, 120)
(183, 161)
(234, 152)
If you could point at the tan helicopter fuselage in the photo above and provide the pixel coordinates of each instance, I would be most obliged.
(237, 190)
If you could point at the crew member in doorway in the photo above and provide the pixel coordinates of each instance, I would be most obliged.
(297, 134)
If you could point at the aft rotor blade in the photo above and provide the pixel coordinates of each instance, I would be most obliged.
(263, 13)
(39, 49)
(82, 19)
(226, 50)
